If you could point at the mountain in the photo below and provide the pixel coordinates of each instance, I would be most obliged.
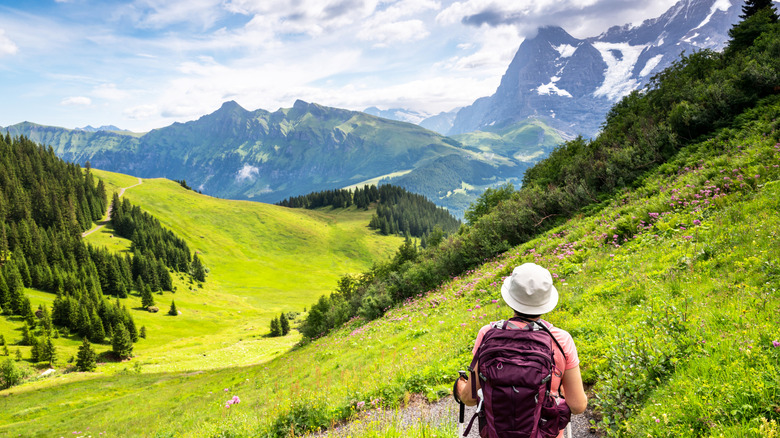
(399, 114)
(269, 156)
(441, 123)
(571, 83)
(89, 128)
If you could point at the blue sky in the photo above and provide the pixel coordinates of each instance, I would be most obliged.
(145, 64)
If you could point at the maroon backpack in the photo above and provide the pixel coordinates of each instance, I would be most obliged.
(515, 372)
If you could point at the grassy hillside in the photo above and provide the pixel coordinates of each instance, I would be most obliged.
(670, 290)
(263, 260)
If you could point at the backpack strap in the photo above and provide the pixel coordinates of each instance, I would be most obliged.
(541, 323)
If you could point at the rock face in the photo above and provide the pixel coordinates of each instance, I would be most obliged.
(571, 83)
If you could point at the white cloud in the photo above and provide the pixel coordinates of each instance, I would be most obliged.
(247, 172)
(581, 18)
(7, 47)
(77, 100)
(399, 31)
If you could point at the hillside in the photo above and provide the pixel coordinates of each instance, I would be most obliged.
(255, 254)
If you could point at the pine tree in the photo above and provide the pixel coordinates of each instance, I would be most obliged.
(276, 328)
(284, 324)
(121, 344)
(751, 7)
(86, 358)
(18, 354)
(198, 271)
(172, 311)
(26, 338)
(142, 332)
(147, 300)
(47, 351)
(35, 349)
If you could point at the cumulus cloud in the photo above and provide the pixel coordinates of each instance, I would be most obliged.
(248, 172)
(390, 25)
(581, 18)
(312, 17)
(77, 101)
(7, 47)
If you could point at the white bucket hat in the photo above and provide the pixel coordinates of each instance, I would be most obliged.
(530, 290)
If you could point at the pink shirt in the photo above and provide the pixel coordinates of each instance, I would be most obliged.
(567, 343)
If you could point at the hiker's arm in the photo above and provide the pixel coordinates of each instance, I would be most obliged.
(464, 391)
(574, 391)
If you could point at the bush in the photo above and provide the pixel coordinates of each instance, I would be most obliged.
(12, 373)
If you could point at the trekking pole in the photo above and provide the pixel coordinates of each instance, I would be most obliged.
(461, 419)
(568, 431)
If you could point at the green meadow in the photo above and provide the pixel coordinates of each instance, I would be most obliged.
(262, 260)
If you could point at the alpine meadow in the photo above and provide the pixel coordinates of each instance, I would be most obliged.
(139, 306)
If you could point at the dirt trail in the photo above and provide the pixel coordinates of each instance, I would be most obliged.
(443, 411)
(107, 217)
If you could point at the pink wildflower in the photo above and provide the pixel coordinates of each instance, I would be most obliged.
(775, 344)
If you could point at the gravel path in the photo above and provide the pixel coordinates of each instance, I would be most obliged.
(443, 411)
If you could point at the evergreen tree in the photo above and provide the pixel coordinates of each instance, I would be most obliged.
(26, 337)
(172, 311)
(86, 359)
(751, 7)
(276, 328)
(35, 349)
(48, 353)
(142, 332)
(198, 271)
(284, 324)
(5, 350)
(18, 354)
(147, 300)
(121, 344)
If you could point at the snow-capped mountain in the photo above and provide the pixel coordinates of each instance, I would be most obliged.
(571, 83)
(399, 114)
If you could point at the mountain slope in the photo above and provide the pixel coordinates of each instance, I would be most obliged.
(571, 83)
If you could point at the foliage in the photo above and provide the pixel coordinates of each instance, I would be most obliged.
(173, 311)
(86, 360)
(12, 373)
(121, 344)
(487, 201)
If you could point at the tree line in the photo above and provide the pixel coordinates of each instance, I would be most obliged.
(698, 94)
(399, 212)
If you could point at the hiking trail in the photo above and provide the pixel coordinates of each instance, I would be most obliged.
(107, 217)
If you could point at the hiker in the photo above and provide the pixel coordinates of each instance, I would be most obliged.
(530, 293)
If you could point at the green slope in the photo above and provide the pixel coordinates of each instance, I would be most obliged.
(670, 323)
(263, 260)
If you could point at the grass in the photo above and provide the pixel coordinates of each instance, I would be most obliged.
(669, 289)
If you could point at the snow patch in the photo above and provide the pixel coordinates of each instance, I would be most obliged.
(719, 5)
(550, 88)
(651, 64)
(690, 38)
(565, 50)
(247, 172)
(617, 76)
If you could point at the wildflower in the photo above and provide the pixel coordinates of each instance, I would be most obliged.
(775, 344)
(226, 389)
(360, 404)
(696, 222)
(236, 400)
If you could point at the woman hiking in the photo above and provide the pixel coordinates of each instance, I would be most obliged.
(513, 360)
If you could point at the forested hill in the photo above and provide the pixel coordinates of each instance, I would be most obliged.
(398, 211)
(45, 204)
